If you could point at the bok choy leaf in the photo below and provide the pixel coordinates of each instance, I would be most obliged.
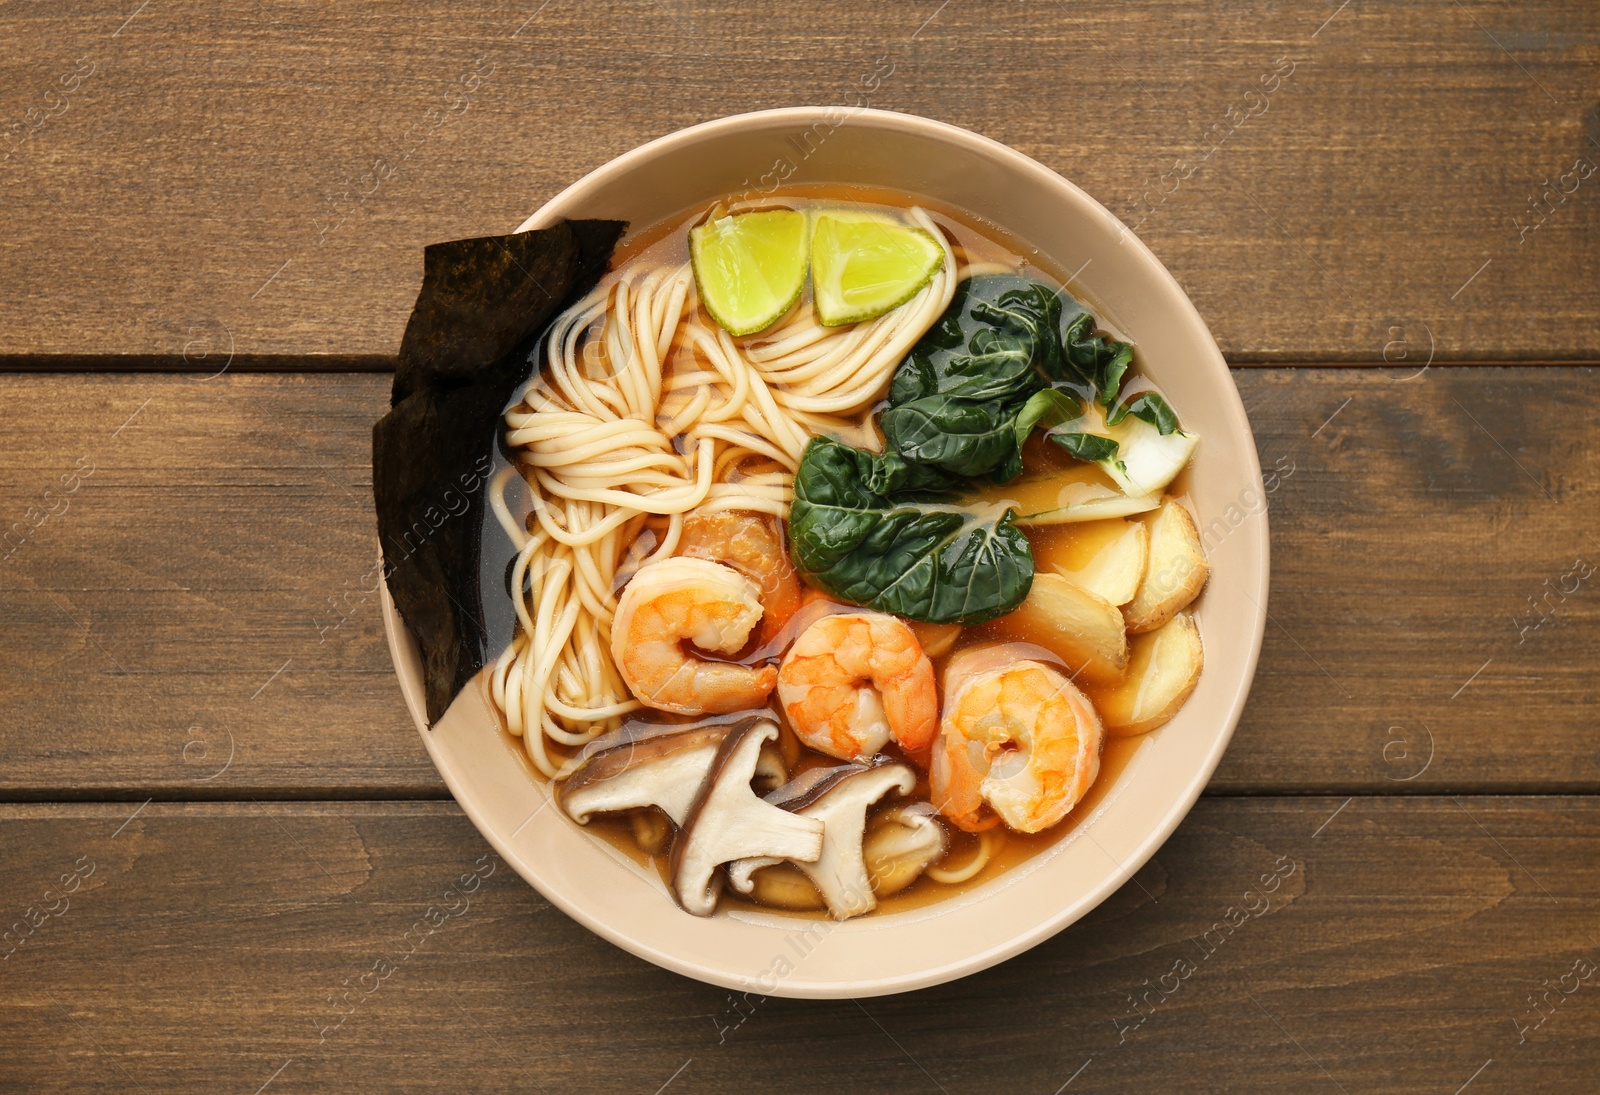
(959, 397)
(876, 530)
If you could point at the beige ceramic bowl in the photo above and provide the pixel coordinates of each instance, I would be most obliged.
(786, 956)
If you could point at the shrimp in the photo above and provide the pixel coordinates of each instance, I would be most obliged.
(751, 545)
(679, 600)
(1018, 735)
(852, 680)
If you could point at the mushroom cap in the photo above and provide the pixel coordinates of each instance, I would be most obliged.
(652, 764)
(901, 843)
(729, 822)
(839, 798)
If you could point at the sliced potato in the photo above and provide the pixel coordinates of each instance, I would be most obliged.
(1105, 557)
(1163, 668)
(1174, 573)
(1081, 628)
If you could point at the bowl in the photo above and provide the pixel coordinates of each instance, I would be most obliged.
(782, 955)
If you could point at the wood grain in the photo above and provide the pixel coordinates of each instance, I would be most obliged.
(207, 189)
(205, 593)
(213, 943)
(186, 558)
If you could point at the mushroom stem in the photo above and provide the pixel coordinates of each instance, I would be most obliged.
(728, 822)
(839, 798)
(902, 843)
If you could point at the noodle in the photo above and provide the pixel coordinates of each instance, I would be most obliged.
(644, 412)
(644, 426)
(990, 841)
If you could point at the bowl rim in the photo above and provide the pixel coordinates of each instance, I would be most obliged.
(402, 648)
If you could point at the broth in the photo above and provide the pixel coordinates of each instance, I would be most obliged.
(975, 242)
(1018, 848)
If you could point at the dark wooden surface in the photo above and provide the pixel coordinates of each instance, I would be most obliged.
(216, 944)
(206, 592)
(205, 189)
(197, 711)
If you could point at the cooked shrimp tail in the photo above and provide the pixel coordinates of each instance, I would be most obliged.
(679, 601)
(1017, 739)
(751, 544)
(853, 680)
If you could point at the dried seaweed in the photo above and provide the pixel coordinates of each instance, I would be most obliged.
(483, 305)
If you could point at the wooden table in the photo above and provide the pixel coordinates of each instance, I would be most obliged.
(215, 815)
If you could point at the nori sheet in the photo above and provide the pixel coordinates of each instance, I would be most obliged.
(469, 344)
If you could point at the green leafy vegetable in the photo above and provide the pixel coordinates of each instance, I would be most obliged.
(1055, 407)
(1149, 406)
(956, 396)
(1008, 355)
(1098, 362)
(959, 399)
(959, 353)
(877, 530)
(1051, 407)
(1147, 458)
(1085, 446)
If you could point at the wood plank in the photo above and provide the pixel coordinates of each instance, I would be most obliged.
(1430, 622)
(216, 947)
(184, 190)
(204, 593)
(208, 584)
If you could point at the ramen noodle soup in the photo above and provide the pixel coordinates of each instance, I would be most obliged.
(852, 554)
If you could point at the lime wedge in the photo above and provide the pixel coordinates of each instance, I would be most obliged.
(864, 265)
(749, 267)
